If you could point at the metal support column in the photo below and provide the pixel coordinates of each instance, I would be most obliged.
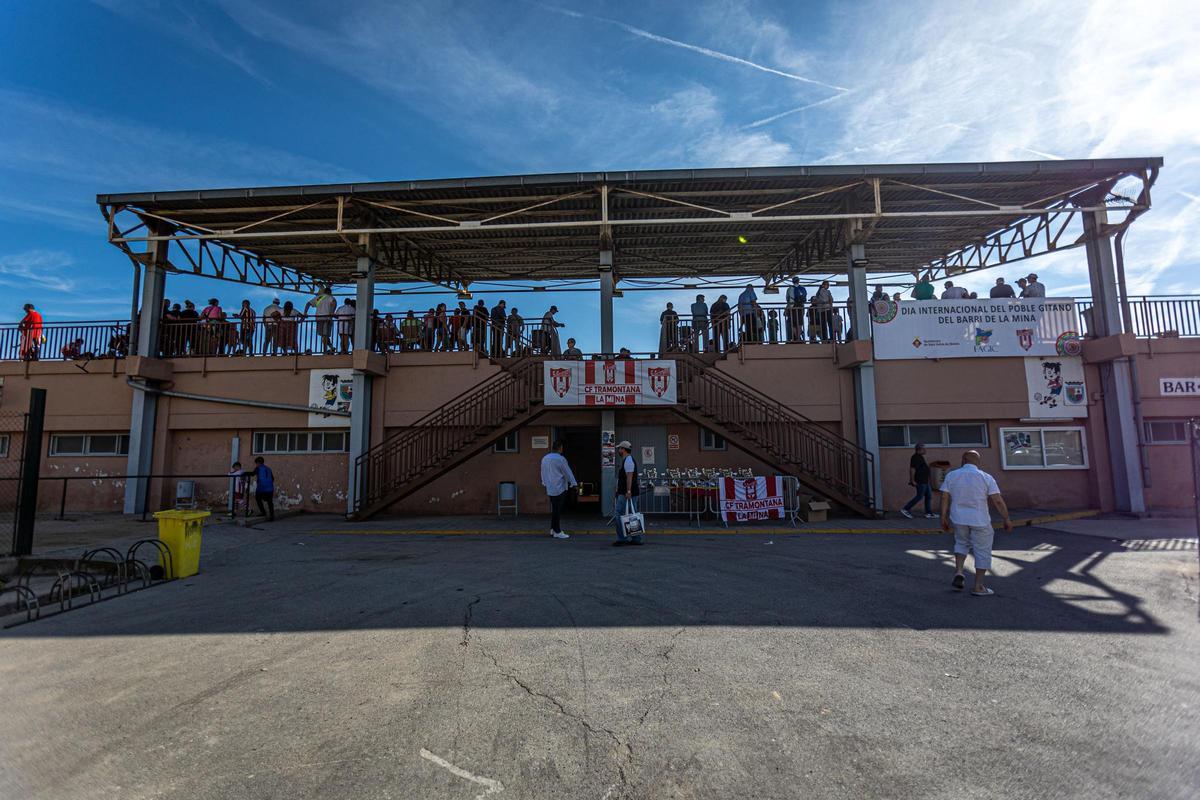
(1116, 379)
(142, 417)
(31, 466)
(866, 416)
(608, 417)
(360, 404)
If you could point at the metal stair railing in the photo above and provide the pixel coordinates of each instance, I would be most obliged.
(799, 442)
(439, 436)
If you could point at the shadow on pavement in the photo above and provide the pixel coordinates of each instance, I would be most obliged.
(279, 581)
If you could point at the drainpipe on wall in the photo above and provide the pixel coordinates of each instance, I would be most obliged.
(1127, 320)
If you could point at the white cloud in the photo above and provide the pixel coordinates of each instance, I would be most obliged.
(39, 269)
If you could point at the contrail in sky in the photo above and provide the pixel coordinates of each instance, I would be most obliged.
(695, 48)
(788, 113)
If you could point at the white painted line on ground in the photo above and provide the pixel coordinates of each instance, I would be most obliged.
(492, 786)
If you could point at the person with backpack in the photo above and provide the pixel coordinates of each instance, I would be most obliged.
(627, 493)
(264, 488)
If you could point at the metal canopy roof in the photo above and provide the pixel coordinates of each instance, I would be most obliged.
(766, 221)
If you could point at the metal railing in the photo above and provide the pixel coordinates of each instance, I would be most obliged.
(65, 341)
(435, 439)
(838, 467)
(773, 323)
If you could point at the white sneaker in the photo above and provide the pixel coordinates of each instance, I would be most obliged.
(905, 514)
(931, 516)
(559, 535)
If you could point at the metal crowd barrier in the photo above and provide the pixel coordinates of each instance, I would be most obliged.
(697, 498)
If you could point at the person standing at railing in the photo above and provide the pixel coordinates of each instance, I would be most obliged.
(923, 289)
(345, 325)
(822, 305)
(572, 351)
(499, 318)
(288, 332)
(668, 337)
(745, 307)
(324, 304)
(271, 327)
(428, 329)
(720, 322)
(1024, 287)
(952, 292)
(700, 324)
(30, 328)
(246, 329)
(461, 323)
(550, 326)
(479, 325)
(797, 296)
(410, 332)
(512, 337)
(879, 294)
(1034, 288)
(442, 339)
(1001, 290)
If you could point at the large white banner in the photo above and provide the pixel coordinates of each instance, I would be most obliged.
(1056, 387)
(626, 382)
(330, 389)
(1036, 326)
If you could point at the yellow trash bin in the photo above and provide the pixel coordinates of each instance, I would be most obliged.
(180, 532)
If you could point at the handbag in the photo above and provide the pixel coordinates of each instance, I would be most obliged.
(633, 525)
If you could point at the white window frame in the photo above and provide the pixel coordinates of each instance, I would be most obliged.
(122, 445)
(711, 446)
(501, 444)
(1150, 440)
(257, 448)
(910, 443)
(1041, 434)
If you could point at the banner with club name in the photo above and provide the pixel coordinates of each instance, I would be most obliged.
(624, 382)
(1035, 326)
(1056, 387)
(746, 499)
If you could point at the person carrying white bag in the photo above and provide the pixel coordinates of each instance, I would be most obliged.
(629, 522)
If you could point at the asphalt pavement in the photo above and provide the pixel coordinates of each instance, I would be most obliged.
(302, 664)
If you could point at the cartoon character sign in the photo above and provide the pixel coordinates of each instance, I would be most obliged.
(1052, 375)
(330, 390)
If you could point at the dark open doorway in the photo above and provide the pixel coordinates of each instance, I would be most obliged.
(582, 449)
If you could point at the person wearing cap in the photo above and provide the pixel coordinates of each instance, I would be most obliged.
(953, 292)
(627, 491)
(1033, 288)
(797, 296)
(550, 328)
(1024, 287)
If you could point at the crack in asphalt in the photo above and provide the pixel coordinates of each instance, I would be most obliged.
(623, 747)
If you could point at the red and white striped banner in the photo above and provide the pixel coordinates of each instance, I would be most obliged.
(620, 382)
(745, 499)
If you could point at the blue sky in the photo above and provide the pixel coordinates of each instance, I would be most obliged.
(127, 95)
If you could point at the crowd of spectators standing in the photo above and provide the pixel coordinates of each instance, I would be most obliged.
(499, 331)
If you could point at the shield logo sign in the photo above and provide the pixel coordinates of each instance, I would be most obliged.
(560, 380)
(610, 372)
(1074, 392)
(750, 488)
(660, 379)
(1025, 338)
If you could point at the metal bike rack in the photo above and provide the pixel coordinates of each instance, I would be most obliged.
(33, 609)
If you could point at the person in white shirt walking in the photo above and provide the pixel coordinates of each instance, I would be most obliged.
(558, 479)
(965, 495)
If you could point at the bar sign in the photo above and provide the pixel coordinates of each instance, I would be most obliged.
(1179, 387)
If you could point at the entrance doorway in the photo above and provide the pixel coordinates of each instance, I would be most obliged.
(581, 446)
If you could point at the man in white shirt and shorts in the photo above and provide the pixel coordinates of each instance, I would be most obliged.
(965, 495)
